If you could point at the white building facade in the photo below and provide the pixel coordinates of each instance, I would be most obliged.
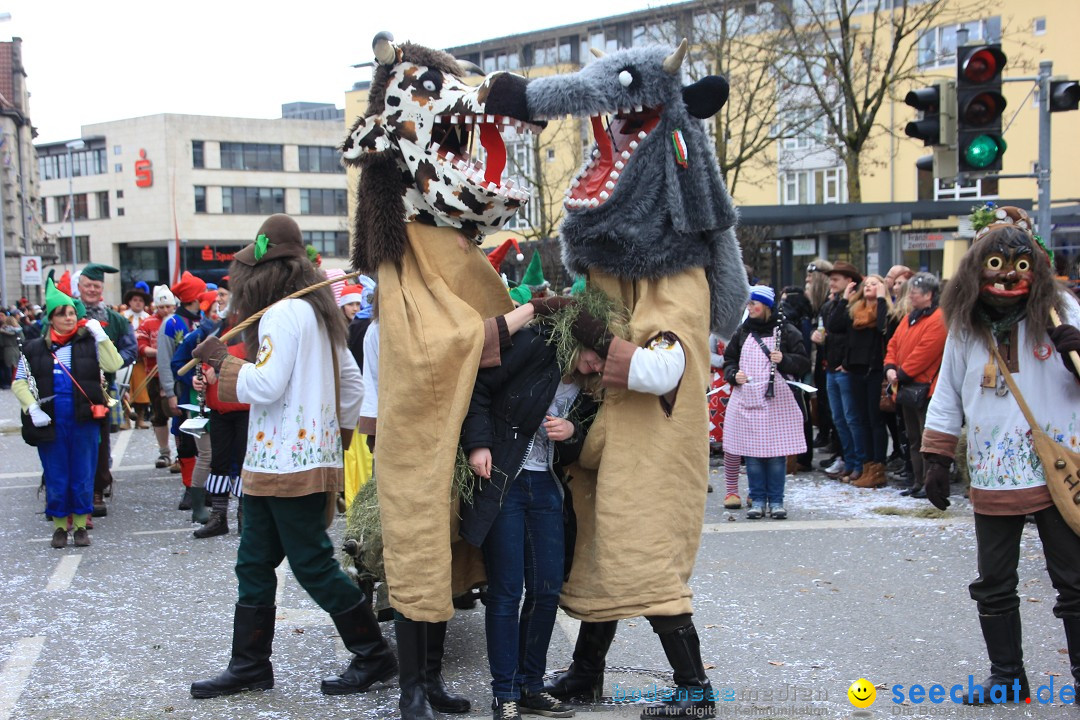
(157, 195)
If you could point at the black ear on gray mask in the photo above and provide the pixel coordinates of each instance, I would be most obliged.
(705, 97)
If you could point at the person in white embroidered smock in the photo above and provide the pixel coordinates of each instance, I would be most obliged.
(763, 422)
(303, 388)
(1001, 296)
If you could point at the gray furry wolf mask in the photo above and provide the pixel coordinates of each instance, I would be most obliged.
(413, 147)
(649, 200)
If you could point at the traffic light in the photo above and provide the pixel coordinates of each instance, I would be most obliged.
(1064, 95)
(979, 105)
(936, 127)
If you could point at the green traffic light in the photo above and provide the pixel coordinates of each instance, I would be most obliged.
(983, 151)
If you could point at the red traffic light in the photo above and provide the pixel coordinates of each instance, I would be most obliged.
(982, 65)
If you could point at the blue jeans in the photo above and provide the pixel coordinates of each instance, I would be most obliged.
(765, 478)
(523, 547)
(847, 417)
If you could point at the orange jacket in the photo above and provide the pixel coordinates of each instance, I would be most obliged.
(916, 350)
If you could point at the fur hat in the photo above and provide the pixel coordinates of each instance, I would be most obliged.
(279, 237)
(846, 269)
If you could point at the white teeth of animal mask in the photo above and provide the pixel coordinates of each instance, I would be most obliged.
(594, 202)
(492, 187)
(619, 165)
(642, 135)
(614, 175)
(491, 118)
(633, 144)
(999, 286)
(604, 195)
(566, 193)
(596, 153)
(625, 155)
(575, 182)
(609, 185)
(434, 147)
(449, 157)
(454, 119)
(468, 119)
(637, 108)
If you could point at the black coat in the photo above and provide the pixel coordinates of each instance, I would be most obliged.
(837, 324)
(508, 405)
(866, 346)
(796, 361)
(86, 370)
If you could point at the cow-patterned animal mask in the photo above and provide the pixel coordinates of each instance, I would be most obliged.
(426, 122)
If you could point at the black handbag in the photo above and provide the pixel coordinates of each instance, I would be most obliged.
(913, 395)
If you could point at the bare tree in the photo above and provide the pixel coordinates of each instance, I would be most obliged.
(850, 56)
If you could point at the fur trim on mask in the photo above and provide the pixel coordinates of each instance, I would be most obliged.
(379, 220)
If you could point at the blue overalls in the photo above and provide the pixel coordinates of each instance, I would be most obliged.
(69, 461)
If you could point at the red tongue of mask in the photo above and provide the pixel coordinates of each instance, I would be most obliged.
(495, 151)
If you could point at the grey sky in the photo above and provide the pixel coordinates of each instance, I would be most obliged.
(95, 61)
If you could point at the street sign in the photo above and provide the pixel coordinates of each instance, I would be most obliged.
(30, 269)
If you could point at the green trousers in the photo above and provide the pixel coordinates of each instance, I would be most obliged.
(294, 528)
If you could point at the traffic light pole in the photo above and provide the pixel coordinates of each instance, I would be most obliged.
(1043, 219)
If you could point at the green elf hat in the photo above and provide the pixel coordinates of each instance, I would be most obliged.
(521, 294)
(534, 274)
(56, 299)
(579, 285)
(96, 271)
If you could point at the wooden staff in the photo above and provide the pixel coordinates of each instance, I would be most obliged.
(255, 318)
(1073, 355)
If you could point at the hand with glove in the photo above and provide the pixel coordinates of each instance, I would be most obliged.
(592, 333)
(39, 417)
(544, 307)
(937, 479)
(1066, 338)
(95, 329)
(212, 352)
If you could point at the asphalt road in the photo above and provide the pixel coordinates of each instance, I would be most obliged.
(790, 613)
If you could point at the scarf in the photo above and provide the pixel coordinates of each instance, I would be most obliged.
(1001, 323)
(864, 315)
(916, 315)
(64, 339)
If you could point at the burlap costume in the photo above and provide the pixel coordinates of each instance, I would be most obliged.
(432, 308)
(629, 561)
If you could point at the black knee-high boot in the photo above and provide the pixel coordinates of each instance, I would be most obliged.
(1004, 646)
(412, 649)
(693, 696)
(438, 696)
(372, 660)
(585, 676)
(249, 668)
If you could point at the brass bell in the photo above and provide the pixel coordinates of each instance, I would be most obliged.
(1059, 464)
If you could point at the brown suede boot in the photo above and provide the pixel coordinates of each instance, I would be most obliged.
(873, 476)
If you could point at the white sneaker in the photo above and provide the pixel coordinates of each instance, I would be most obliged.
(837, 468)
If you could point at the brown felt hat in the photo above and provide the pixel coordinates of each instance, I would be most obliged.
(279, 237)
(846, 269)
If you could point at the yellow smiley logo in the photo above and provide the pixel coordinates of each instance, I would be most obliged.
(862, 693)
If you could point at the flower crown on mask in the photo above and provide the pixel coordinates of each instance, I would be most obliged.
(989, 217)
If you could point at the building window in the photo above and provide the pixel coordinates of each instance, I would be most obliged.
(813, 187)
(937, 46)
(250, 156)
(977, 189)
(329, 243)
(103, 204)
(1039, 26)
(118, 168)
(200, 199)
(83, 162)
(323, 202)
(316, 159)
(82, 249)
(80, 207)
(119, 212)
(119, 194)
(252, 200)
(197, 154)
(117, 150)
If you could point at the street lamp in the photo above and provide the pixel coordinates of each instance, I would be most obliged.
(72, 145)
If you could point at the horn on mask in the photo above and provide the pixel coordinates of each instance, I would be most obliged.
(673, 62)
(385, 50)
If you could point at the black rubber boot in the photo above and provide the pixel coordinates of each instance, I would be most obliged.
(1072, 637)
(693, 693)
(438, 696)
(185, 500)
(217, 525)
(1005, 649)
(249, 668)
(372, 662)
(412, 676)
(199, 513)
(585, 676)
